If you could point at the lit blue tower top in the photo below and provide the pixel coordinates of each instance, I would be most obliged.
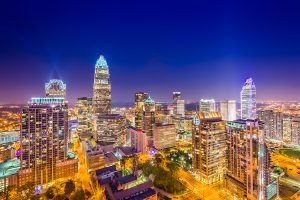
(101, 63)
(149, 100)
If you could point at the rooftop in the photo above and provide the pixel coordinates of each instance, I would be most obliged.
(9, 167)
(106, 170)
(127, 179)
(101, 63)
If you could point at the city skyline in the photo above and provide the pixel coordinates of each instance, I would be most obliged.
(143, 48)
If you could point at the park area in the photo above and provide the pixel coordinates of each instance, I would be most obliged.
(291, 153)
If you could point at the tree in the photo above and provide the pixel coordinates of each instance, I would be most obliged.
(60, 197)
(158, 159)
(69, 187)
(173, 167)
(27, 190)
(78, 195)
(51, 192)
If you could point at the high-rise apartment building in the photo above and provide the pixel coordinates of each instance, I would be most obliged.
(207, 105)
(228, 110)
(84, 114)
(139, 98)
(164, 135)
(178, 104)
(273, 123)
(44, 142)
(295, 136)
(55, 88)
(248, 100)
(287, 129)
(208, 144)
(149, 119)
(101, 88)
(247, 161)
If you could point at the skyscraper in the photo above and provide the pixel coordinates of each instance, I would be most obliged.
(44, 141)
(139, 98)
(247, 160)
(101, 88)
(207, 105)
(208, 146)
(273, 123)
(248, 100)
(84, 112)
(55, 88)
(228, 110)
(178, 104)
(149, 119)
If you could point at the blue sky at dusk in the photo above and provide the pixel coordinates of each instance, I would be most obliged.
(205, 49)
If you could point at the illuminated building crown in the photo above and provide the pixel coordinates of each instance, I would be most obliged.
(101, 62)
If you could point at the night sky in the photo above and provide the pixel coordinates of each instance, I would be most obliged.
(205, 49)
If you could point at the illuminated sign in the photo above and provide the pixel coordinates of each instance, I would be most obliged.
(54, 100)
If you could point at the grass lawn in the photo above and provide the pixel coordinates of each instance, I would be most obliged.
(291, 153)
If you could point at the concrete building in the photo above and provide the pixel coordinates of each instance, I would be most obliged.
(178, 104)
(149, 119)
(248, 100)
(164, 136)
(84, 115)
(162, 113)
(295, 136)
(208, 147)
(207, 105)
(287, 129)
(139, 98)
(9, 173)
(228, 110)
(273, 123)
(247, 161)
(138, 139)
(110, 129)
(43, 140)
(98, 156)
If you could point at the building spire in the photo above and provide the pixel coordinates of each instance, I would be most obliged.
(101, 62)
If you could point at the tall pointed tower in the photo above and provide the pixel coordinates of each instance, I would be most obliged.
(248, 100)
(101, 88)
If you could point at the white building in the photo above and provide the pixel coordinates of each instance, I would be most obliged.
(228, 110)
(248, 100)
(164, 136)
(178, 104)
(207, 105)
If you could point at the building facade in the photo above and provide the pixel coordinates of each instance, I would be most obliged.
(164, 136)
(139, 98)
(101, 88)
(178, 104)
(248, 100)
(138, 139)
(228, 110)
(208, 146)
(111, 129)
(44, 141)
(84, 114)
(149, 119)
(247, 160)
(207, 105)
(273, 123)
